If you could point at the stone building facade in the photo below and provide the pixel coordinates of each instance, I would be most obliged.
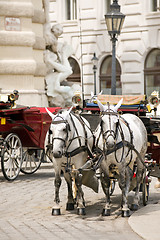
(137, 48)
(21, 50)
(22, 45)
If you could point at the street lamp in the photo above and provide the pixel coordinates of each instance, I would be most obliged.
(95, 62)
(114, 21)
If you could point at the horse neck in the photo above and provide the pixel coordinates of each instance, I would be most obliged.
(98, 136)
(76, 129)
(126, 131)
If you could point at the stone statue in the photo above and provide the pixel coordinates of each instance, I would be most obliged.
(58, 67)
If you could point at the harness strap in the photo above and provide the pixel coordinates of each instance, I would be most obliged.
(99, 159)
(131, 146)
(85, 132)
(76, 151)
(75, 127)
(120, 144)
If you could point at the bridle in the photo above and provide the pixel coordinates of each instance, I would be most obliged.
(110, 133)
(67, 129)
(75, 136)
(118, 132)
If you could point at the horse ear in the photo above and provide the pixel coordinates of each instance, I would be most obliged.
(92, 95)
(100, 93)
(118, 105)
(101, 106)
(50, 113)
(70, 109)
(66, 113)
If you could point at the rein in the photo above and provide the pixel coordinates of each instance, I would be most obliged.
(67, 128)
(81, 148)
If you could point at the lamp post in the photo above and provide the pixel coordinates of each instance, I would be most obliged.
(114, 21)
(95, 62)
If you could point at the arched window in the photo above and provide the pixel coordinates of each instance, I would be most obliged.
(105, 76)
(152, 72)
(76, 76)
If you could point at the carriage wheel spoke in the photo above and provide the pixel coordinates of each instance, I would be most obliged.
(11, 156)
(31, 160)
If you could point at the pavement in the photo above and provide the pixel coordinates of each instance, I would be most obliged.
(146, 222)
(26, 205)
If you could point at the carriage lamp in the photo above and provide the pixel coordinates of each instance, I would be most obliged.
(114, 21)
(95, 63)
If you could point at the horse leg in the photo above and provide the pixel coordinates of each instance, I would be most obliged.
(57, 184)
(80, 195)
(105, 182)
(124, 183)
(70, 202)
(139, 177)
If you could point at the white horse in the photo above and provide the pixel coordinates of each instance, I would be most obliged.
(123, 140)
(71, 142)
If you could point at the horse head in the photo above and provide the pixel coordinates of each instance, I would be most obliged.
(109, 123)
(60, 128)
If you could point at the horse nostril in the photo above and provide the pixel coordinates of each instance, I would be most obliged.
(57, 154)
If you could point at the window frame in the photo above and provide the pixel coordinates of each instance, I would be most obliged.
(150, 71)
(75, 77)
(153, 4)
(106, 78)
(71, 12)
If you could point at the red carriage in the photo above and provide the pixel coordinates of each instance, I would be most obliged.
(22, 136)
(23, 131)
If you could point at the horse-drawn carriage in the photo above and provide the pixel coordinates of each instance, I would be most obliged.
(71, 144)
(120, 139)
(139, 106)
(146, 110)
(22, 136)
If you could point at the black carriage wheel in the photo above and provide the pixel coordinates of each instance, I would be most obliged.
(145, 191)
(112, 186)
(11, 157)
(31, 160)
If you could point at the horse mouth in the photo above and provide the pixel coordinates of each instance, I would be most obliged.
(57, 154)
(110, 146)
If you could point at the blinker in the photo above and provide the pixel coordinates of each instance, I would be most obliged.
(58, 122)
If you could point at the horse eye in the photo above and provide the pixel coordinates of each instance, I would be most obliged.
(64, 129)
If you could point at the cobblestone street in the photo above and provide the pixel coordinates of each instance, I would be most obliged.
(26, 205)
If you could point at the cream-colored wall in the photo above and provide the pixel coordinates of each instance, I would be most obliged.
(21, 52)
(21, 59)
(140, 33)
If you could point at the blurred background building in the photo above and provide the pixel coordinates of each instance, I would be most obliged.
(22, 45)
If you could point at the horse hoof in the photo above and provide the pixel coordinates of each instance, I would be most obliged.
(70, 206)
(81, 211)
(106, 212)
(125, 213)
(134, 207)
(56, 211)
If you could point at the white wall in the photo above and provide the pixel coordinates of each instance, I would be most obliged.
(140, 33)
